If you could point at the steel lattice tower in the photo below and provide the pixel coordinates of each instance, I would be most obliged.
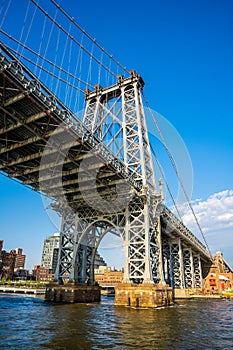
(118, 107)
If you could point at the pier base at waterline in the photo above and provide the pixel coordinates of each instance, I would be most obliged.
(72, 292)
(143, 295)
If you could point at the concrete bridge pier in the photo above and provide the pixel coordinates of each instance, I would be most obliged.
(147, 295)
(72, 292)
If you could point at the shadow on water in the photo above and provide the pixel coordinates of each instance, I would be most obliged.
(30, 323)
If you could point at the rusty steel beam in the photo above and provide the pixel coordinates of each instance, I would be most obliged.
(14, 99)
(39, 154)
(77, 181)
(53, 166)
(84, 188)
(63, 162)
(30, 119)
(64, 174)
(31, 140)
(80, 197)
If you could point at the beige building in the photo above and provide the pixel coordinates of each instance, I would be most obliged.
(106, 277)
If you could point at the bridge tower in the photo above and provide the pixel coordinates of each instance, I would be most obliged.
(115, 115)
(126, 114)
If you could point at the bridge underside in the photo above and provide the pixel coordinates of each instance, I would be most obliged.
(42, 144)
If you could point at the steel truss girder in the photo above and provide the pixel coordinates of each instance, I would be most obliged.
(66, 247)
(182, 266)
(30, 119)
(176, 265)
(166, 253)
(188, 268)
(176, 226)
(197, 271)
(38, 155)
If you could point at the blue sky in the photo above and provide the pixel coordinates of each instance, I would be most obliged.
(184, 52)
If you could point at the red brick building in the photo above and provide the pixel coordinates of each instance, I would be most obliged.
(11, 262)
(42, 274)
(19, 258)
(216, 283)
(220, 277)
(7, 265)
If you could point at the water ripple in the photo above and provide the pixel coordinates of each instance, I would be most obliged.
(30, 323)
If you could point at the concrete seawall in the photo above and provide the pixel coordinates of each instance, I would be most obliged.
(18, 290)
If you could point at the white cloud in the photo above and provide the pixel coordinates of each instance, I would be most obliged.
(214, 213)
(215, 216)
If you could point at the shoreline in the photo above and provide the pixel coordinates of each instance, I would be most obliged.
(204, 297)
(22, 290)
(41, 291)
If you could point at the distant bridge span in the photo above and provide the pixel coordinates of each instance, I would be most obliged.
(46, 147)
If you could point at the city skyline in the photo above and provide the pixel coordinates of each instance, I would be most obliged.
(184, 53)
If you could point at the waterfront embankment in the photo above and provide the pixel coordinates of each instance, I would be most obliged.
(22, 290)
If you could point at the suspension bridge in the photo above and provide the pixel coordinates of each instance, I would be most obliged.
(96, 165)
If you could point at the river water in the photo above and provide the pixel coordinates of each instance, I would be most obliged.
(30, 323)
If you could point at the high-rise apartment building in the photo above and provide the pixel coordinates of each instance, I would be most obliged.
(50, 252)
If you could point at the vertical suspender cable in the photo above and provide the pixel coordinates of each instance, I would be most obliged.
(4, 16)
(72, 38)
(40, 46)
(90, 37)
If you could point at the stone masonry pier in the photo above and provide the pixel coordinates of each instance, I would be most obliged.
(143, 295)
(72, 293)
